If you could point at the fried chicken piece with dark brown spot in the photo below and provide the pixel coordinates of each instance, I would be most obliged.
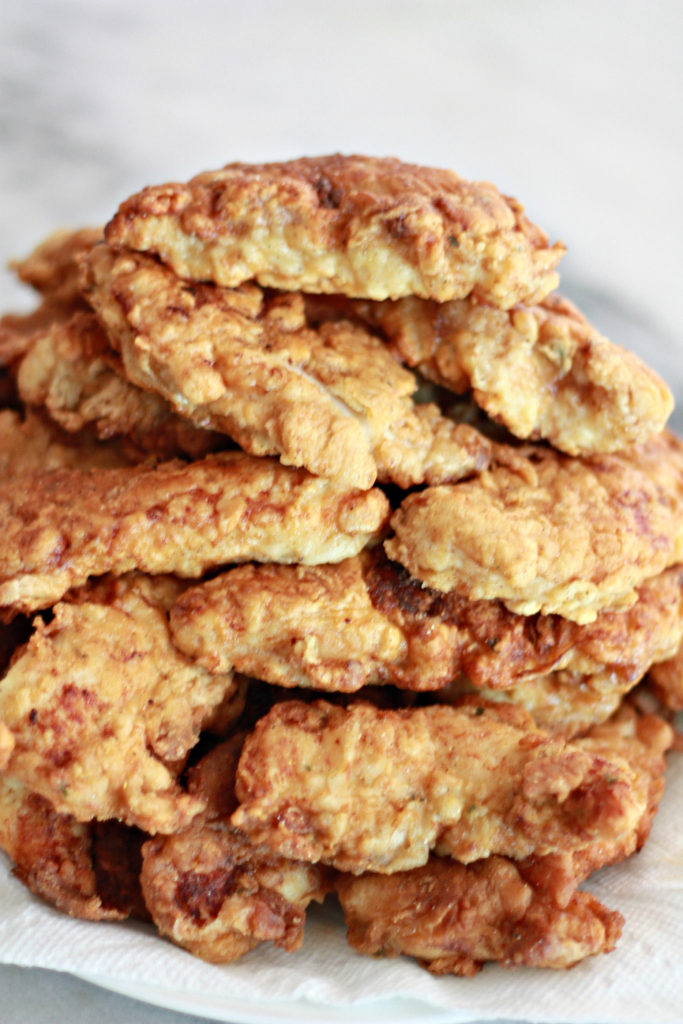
(365, 621)
(212, 891)
(363, 226)
(103, 710)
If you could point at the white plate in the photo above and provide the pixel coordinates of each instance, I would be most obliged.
(260, 1011)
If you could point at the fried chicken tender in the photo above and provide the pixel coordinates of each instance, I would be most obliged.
(541, 370)
(71, 373)
(366, 621)
(363, 226)
(31, 444)
(88, 870)
(64, 526)
(370, 790)
(540, 531)
(307, 626)
(333, 400)
(103, 710)
(213, 892)
(52, 270)
(454, 918)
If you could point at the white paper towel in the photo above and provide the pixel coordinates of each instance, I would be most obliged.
(641, 981)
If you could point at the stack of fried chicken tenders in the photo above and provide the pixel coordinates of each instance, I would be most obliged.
(334, 544)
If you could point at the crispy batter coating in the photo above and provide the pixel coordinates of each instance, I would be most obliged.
(70, 371)
(541, 531)
(64, 526)
(454, 918)
(366, 621)
(642, 741)
(52, 854)
(213, 892)
(52, 270)
(541, 370)
(369, 790)
(247, 363)
(31, 443)
(102, 708)
(362, 226)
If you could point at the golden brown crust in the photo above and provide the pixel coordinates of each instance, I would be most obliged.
(361, 226)
(549, 533)
(453, 918)
(64, 526)
(641, 741)
(70, 372)
(563, 703)
(85, 870)
(102, 708)
(333, 399)
(541, 370)
(365, 789)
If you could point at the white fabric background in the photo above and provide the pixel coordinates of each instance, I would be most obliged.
(575, 108)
